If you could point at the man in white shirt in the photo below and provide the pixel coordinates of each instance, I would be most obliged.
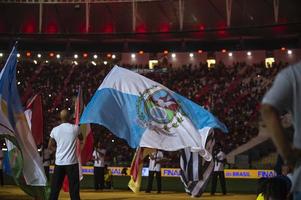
(155, 159)
(66, 161)
(219, 158)
(99, 166)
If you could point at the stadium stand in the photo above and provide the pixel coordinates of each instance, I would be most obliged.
(219, 89)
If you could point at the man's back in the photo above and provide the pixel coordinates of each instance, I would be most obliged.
(65, 136)
(285, 95)
(295, 78)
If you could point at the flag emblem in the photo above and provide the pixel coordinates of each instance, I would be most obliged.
(159, 111)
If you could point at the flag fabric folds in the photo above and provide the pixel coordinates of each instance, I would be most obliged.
(78, 112)
(25, 162)
(147, 114)
(195, 171)
(87, 149)
(136, 167)
(34, 116)
(79, 105)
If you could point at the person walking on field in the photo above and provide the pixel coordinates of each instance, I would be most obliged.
(63, 142)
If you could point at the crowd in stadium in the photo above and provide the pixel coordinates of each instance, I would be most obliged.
(219, 89)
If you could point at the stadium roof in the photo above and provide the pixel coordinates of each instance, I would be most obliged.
(151, 24)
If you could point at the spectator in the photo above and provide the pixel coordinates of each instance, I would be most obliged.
(275, 189)
(108, 178)
(124, 171)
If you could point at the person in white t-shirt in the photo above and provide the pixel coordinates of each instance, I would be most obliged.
(155, 159)
(219, 158)
(99, 166)
(64, 138)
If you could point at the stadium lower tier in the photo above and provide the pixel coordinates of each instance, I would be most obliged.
(237, 180)
(174, 184)
(175, 172)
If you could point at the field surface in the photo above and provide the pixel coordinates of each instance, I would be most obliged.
(14, 193)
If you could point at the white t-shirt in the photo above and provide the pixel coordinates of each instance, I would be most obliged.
(219, 166)
(99, 160)
(65, 136)
(154, 164)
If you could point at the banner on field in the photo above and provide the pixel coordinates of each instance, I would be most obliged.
(249, 173)
(175, 172)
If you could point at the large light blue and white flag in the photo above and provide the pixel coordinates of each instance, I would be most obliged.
(147, 114)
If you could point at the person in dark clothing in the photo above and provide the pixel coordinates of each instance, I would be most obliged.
(99, 166)
(219, 158)
(154, 168)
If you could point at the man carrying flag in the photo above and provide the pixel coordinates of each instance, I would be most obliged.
(24, 160)
(84, 148)
(77, 113)
(64, 138)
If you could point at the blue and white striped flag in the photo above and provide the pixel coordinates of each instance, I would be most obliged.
(147, 114)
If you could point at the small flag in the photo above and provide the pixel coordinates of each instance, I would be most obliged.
(136, 167)
(34, 116)
(87, 150)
